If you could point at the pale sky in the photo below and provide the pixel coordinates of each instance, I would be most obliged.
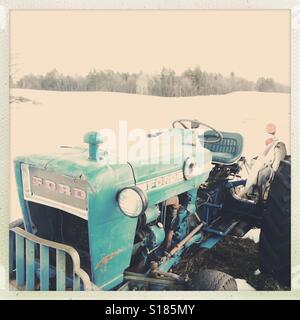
(250, 43)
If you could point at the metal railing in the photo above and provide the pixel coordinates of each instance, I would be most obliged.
(25, 247)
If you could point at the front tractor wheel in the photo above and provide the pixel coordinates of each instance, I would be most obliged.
(275, 235)
(213, 280)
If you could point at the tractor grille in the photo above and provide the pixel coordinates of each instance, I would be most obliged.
(59, 226)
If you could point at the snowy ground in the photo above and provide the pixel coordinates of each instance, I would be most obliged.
(49, 119)
(243, 285)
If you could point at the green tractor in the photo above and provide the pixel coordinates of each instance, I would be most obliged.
(89, 224)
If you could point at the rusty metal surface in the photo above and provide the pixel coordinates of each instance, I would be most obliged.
(107, 258)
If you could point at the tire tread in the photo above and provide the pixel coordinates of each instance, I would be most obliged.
(275, 236)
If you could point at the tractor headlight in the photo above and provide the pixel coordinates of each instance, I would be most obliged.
(132, 201)
(190, 168)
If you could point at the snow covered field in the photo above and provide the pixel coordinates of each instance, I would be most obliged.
(51, 119)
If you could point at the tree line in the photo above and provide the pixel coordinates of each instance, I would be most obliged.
(167, 83)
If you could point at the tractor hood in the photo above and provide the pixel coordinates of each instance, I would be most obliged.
(165, 173)
(75, 164)
(75, 174)
(69, 180)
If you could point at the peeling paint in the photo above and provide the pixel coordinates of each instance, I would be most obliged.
(106, 259)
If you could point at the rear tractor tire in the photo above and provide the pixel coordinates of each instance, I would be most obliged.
(275, 235)
(213, 280)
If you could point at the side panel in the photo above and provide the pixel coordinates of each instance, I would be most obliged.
(111, 233)
(163, 181)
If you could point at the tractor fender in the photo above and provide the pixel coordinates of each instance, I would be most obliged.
(266, 163)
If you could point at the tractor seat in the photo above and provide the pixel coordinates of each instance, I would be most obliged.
(228, 150)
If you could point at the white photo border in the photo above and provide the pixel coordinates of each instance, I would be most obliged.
(7, 5)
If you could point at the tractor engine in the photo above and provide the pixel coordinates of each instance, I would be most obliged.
(161, 227)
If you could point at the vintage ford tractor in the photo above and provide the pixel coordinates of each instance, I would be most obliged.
(92, 225)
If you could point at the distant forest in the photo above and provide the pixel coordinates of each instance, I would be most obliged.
(167, 83)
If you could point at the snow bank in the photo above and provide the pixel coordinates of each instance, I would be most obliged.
(243, 285)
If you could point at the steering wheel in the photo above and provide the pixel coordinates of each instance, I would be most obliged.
(212, 137)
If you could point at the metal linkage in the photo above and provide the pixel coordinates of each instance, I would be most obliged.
(137, 281)
(222, 233)
(185, 240)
